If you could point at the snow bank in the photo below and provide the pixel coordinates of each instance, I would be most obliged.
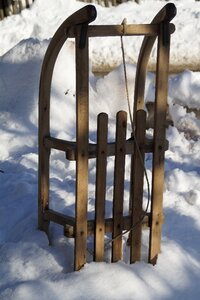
(185, 89)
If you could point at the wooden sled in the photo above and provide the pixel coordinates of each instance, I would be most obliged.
(77, 27)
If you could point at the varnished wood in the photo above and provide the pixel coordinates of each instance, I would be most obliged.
(150, 30)
(136, 187)
(101, 164)
(70, 147)
(82, 128)
(118, 192)
(167, 13)
(126, 225)
(158, 153)
(59, 218)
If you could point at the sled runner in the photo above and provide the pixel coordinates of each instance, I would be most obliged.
(78, 26)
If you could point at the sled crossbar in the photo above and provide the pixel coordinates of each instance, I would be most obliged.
(69, 223)
(122, 30)
(70, 147)
(79, 227)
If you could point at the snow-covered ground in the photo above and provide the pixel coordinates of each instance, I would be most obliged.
(29, 267)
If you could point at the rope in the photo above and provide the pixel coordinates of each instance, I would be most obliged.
(124, 22)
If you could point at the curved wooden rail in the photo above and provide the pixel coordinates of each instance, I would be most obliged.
(164, 16)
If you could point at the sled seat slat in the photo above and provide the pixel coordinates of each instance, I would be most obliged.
(118, 186)
(100, 193)
(126, 225)
(70, 147)
(59, 218)
(69, 222)
(137, 182)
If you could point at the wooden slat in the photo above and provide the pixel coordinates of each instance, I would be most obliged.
(82, 128)
(70, 147)
(102, 134)
(126, 225)
(158, 155)
(136, 187)
(59, 218)
(60, 144)
(119, 185)
(126, 30)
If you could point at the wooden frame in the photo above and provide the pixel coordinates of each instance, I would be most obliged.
(77, 26)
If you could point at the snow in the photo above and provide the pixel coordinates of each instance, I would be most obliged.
(29, 267)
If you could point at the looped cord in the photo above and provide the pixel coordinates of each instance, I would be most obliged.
(124, 22)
